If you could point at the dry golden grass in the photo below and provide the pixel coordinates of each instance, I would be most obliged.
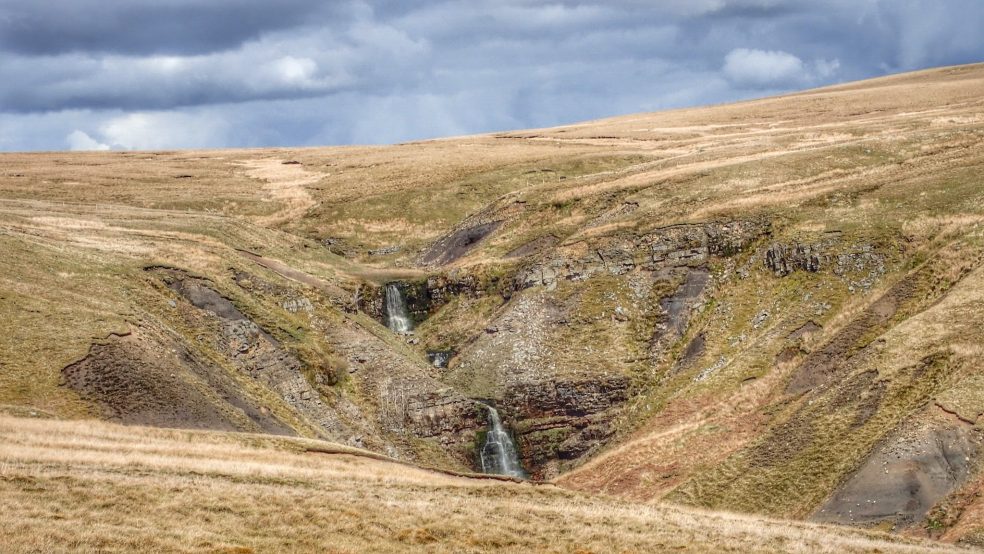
(97, 487)
(284, 183)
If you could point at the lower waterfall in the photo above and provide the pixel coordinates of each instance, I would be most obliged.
(498, 455)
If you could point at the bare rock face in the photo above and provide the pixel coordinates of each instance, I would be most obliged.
(447, 416)
(686, 245)
(677, 309)
(859, 264)
(559, 422)
(420, 304)
(426, 296)
(676, 246)
(443, 287)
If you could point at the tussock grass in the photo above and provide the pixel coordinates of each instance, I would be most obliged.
(96, 487)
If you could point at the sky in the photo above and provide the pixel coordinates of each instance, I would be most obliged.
(165, 74)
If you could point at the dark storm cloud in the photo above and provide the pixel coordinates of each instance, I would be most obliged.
(171, 73)
(136, 27)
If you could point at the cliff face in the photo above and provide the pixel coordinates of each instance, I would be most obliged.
(668, 247)
(424, 297)
(560, 422)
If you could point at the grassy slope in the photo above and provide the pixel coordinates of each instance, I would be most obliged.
(92, 487)
(903, 179)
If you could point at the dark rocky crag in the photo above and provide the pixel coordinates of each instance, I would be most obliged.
(562, 421)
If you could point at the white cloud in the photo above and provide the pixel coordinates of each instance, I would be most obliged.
(825, 69)
(79, 140)
(775, 69)
(296, 70)
(162, 130)
(763, 68)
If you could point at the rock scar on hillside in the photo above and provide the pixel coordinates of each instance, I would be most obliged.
(458, 243)
(145, 378)
(259, 355)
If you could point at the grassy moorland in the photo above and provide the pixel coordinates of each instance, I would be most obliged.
(772, 307)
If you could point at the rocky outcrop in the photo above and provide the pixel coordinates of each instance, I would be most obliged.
(557, 423)
(440, 358)
(860, 264)
(783, 259)
(450, 418)
(686, 245)
(371, 299)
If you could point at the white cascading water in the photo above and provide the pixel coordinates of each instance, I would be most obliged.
(397, 315)
(498, 454)
(439, 359)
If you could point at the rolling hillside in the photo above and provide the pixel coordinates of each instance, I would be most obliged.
(773, 307)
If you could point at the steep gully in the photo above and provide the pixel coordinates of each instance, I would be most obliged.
(498, 454)
(562, 420)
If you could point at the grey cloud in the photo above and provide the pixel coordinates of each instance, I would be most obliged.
(278, 66)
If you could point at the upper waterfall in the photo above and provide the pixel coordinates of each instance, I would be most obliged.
(397, 315)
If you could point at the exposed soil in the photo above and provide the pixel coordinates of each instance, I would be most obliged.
(906, 476)
(822, 365)
(533, 247)
(807, 329)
